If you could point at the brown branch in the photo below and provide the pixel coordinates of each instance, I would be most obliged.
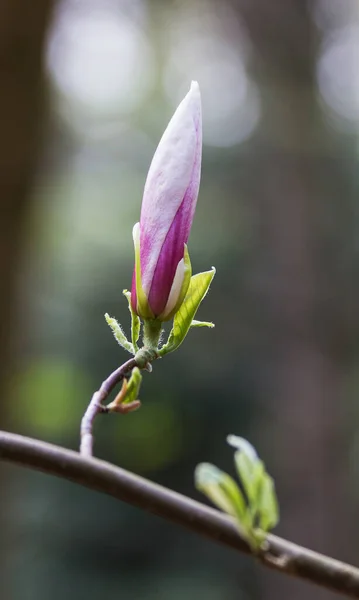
(95, 407)
(95, 474)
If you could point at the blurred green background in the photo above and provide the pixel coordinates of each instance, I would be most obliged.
(88, 87)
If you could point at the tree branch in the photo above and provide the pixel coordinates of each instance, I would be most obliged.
(95, 407)
(95, 474)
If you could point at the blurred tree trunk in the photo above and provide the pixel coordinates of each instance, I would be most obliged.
(22, 34)
(296, 178)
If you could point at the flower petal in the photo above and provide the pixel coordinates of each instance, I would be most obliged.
(170, 194)
(139, 299)
(179, 287)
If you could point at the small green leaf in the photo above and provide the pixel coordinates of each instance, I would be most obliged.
(241, 444)
(202, 324)
(250, 469)
(133, 386)
(257, 484)
(251, 475)
(126, 400)
(183, 318)
(222, 490)
(135, 322)
(119, 334)
(257, 512)
(268, 510)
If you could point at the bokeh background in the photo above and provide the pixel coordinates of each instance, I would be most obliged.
(87, 88)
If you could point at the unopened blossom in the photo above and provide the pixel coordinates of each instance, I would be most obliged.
(162, 269)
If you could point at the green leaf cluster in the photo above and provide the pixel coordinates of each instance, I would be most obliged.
(127, 399)
(254, 505)
(183, 321)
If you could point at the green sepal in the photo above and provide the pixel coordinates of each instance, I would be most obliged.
(202, 324)
(135, 322)
(120, 337)
(184, 288)
(183, 318)
(143, 308)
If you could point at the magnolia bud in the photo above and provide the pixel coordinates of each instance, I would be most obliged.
(162, 269)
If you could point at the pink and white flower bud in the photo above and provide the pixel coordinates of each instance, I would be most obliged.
(162, 270)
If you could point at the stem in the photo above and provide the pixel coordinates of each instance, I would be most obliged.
(95, 407)
(278, 554)
(152, 329)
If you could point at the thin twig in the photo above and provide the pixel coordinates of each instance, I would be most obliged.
(95, 407)
(95, 474)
